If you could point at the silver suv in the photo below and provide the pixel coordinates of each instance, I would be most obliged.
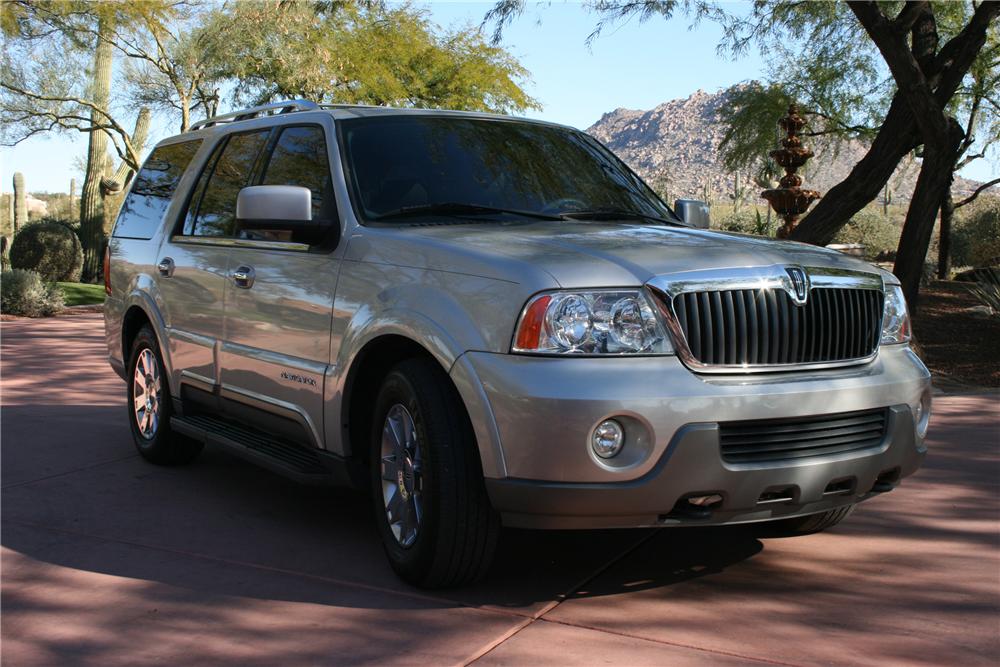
(488, 321)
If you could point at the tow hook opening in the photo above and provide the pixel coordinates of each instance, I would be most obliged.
(697, 506)
(886, 481)
(840, 487)
(783, 494)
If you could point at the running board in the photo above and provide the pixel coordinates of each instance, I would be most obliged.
(303, 464)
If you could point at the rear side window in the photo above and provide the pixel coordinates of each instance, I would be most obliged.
(213, 209)
(154, 187)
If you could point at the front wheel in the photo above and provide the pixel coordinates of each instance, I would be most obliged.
(436, 522)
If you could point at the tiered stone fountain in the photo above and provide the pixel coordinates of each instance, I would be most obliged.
(790, 201)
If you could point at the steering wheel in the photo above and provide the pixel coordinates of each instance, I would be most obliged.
(566, 204)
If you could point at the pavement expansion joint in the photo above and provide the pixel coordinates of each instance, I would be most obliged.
(67, 472)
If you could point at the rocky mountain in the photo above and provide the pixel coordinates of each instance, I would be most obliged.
(674, 147)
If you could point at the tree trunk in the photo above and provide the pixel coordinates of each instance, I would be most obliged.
(944, 242)
(899, 134)
(124, 172)
(933, 182)
(897, 137)
(91, 197)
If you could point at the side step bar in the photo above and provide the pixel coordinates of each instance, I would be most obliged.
(303, 464)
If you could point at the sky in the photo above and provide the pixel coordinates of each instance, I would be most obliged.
(633, 65)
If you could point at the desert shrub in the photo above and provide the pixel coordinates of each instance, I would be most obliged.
(872, 230)
(986, 288)
(24, 292)
(975, 236)
(745, 222)
(51, 248)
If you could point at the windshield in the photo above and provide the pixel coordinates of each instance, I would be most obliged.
(429, 166)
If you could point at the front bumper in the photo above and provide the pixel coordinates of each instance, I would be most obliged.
(543, 410)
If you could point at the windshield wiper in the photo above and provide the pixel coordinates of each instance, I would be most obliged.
(459, 209)
(615, 213)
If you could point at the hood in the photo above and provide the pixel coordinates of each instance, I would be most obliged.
(595, 254)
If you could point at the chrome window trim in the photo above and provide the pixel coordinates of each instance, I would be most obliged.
(666, 287)
(240, 243)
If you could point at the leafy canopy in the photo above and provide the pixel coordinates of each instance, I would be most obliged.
(363, 54)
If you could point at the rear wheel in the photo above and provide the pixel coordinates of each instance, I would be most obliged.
(811, 523)
(435, 519)
(149, 406)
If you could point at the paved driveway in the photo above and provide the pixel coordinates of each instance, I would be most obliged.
(108, 560)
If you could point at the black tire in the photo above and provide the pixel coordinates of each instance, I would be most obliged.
(458, 528)
(160, 445)
(811, 523)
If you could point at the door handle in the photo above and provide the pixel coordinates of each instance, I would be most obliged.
(166, 267)
(243, 277)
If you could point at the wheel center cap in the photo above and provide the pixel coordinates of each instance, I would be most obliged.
(405, 477)
(401, 483)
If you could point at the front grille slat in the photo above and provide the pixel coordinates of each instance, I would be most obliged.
(765, 327)
(750, 298)
(694, 335)
(762, 441)
(707, 337)
(782, 441)
(720, 327)
(812, 425)
(729, 310)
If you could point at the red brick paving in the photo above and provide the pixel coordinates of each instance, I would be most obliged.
(107, 560)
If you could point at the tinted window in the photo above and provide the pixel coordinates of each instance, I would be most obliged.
(401, 162)
(153, 188)
(299, 158)
(215, 214)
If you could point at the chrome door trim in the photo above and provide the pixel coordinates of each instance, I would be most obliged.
(273, 406)
(199, 381)
(240, 243)
(271, 357)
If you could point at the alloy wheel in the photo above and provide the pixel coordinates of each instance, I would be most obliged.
(147, 394)
(402, 481)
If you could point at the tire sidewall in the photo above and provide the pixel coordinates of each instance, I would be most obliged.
(407, 561)
(146, 340)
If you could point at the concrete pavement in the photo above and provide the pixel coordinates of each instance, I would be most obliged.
(108, 560)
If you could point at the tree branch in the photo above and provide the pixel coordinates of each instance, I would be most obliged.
(908, 15)
(975, 193)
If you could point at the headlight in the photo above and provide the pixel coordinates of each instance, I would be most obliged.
(591, 322)
(895, 319)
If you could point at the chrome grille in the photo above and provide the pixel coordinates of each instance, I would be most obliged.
(768, 440)
(765, 327)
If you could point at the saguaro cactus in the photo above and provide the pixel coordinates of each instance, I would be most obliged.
(91, 200)
(20, 201)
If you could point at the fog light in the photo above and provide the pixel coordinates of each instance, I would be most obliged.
(608, 438)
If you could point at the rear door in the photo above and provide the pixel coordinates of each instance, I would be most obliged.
(279, 299)
(193, 264)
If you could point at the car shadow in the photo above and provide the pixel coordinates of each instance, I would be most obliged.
(70, 472)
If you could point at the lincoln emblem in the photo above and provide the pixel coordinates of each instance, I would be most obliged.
(798, 277)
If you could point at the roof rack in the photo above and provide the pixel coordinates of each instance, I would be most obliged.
(289, 106)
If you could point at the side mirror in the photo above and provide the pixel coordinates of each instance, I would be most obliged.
(693, 212)
(278, 213)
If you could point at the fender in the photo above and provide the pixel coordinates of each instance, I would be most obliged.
(442, 345)
(139, 296)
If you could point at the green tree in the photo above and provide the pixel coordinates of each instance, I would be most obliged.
(362, 53)
(56, 75)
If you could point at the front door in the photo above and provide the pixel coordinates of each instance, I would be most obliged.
(279, 301)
